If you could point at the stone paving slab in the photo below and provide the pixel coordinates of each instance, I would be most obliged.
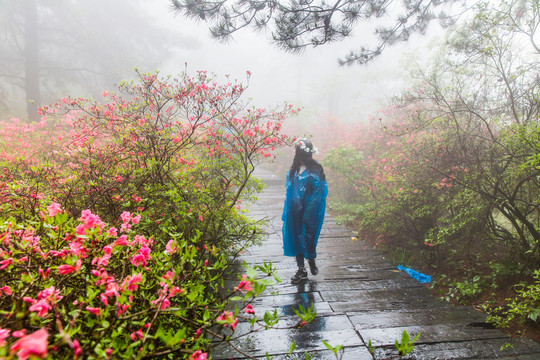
(285, 304)
(350, 353)
(446, 314)
(476, 349)
(439, 333)
(359, 297)
(333, 329)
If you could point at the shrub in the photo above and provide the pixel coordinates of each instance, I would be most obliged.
(119, 219)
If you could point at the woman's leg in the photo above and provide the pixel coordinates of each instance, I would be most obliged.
(301, 273)
(300, 261)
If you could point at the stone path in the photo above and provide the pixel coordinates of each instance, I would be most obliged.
(359, 296)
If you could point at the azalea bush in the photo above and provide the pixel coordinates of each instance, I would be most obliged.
(103, 292)
(120, 218)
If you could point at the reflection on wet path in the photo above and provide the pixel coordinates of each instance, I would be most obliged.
(301, 298)
(358, 296)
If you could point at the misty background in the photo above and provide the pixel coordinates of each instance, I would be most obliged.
(87, 47)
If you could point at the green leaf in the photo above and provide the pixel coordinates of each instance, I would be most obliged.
(292, 347)
(251, 273)
(206, 315)
(405, 337)
(328, 346)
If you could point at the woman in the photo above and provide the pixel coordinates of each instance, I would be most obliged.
(303, 213)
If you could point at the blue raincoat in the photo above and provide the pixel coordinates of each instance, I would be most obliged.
(303, 213)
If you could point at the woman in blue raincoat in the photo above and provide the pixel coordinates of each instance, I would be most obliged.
(303, 213)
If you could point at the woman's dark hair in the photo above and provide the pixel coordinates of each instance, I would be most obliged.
(304, 155)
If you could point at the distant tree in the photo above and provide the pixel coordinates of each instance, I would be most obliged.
(52, 48)
(298, 24)
(486, 88)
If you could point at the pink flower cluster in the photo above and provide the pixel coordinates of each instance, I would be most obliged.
(131, 283)
(89, 222)
(127, 217)
(5, 290)
(227, 319)
(198, 355)
(66, 269)
(167, 291)
(141, 257)
(244, 285)
(32, 345)
(171, 247)
(44, 302)
(54, 209)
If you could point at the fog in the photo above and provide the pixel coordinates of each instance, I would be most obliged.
(85, 48)
(312, 79)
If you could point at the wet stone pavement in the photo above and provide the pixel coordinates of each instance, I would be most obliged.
(358, 296)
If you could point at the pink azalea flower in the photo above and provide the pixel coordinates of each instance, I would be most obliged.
(138, 260)
(244, 285)
(175, 290)
(29, 300)
(121, 241)
(34, 344)
(93, 310)
(90, 220)
(125, 216)
(143, 254)
(165, 304)
(137, 334)
(4, 333)
(54, 209)
(104, 299)
(122, 309)
(80, 229)
(101, 261)
(226, 316)
(77, 348)
(107, 250)
(249, 309)
(50, 293)
(42, 307)
(77, 248)
(65, 269)
(139, 239)
(5, 290)
(162, 302)
(233, 324)
(19, 333)
(198, 355)
(170, 247)
(136, 219)
(5, 263)
(132, 282)
(169, 275)
(112, 232)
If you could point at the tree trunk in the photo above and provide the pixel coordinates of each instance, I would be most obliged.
(31, 58)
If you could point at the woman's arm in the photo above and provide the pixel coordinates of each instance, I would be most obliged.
(314, 205)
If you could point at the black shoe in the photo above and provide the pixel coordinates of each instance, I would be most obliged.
(300, 275)
(314, 269)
